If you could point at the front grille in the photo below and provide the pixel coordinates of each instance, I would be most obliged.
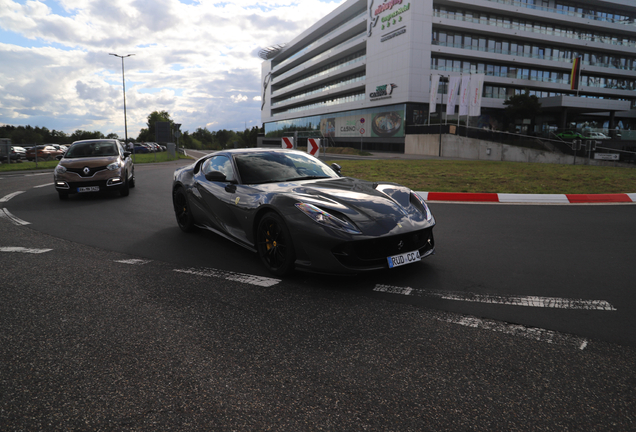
(373, 252)
(91, 171)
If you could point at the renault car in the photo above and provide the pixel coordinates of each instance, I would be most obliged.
(98, 165)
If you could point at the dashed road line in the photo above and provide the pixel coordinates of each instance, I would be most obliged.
(6, 214)
(11, 195)
(237, 277)
(24, 250)
(134, 261)
(528, 301)
(43, 185)
(534, 333)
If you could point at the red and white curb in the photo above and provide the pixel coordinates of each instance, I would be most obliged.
(529, 198)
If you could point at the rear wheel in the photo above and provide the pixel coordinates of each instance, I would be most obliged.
(182, 210)
(275, 246)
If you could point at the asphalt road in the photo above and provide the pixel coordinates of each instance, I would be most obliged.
(112, 319)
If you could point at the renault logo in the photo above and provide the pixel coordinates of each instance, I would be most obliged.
(86, 170)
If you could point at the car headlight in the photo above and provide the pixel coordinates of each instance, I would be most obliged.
(323, 218)
(60, 169)
(417, 200)
(113, 166)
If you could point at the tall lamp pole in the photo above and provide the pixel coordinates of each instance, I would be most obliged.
(123, 78)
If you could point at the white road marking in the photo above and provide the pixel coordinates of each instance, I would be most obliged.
(44, 185)
(11, 195)
(533, 198)
(24, 250)
(134, 261)
(6, 214)
(534, 333)
(237, 277)
(529, 301)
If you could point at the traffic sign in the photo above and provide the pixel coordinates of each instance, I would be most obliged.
(313, 147)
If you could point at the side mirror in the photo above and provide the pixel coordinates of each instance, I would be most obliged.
(215, 176)
(336, 168)
(59, 157)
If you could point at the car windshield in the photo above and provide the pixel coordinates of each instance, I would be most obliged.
(274, 167)
(91, 149)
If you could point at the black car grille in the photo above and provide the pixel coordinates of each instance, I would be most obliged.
(91, 171)
(374, 252)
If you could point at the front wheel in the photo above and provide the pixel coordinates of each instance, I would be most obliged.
(275, 246)
(182, 210)
(125, 189)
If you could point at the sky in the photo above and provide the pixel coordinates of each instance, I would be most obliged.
(196, 59)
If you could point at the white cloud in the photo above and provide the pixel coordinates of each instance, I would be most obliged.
(197, 61)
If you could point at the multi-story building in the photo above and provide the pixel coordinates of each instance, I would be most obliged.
(363, 72)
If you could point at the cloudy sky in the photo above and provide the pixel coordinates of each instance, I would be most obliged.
(196, 59)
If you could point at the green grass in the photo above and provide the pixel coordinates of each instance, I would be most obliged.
(461, 176)
(156, 157)
(47, 165)
(497, 177)
(26, 166)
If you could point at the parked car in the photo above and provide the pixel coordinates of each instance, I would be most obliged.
(596, 136)
(98, 165)
(297, 212)
(141, 149)
(18, 153)
(569, 135)
(44, 152)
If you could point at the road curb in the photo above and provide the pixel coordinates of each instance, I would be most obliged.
(529, 198)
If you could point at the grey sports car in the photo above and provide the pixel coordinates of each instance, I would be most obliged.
(297, 212)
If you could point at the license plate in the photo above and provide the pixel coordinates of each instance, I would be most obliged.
(403, 259)
(88, 189)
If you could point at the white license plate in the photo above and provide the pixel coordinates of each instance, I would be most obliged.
(403, 259)
(88, 189)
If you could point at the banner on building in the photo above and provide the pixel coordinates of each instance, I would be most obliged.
(367, 125)
(575, 76)
(432, 104)
(453, 88)
(476, 92)
(464, 96)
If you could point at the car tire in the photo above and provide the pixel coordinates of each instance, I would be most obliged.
(274, 244)
(182, 210)
(63, 195)
(125, 189)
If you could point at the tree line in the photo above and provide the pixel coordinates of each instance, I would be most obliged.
(200, 139)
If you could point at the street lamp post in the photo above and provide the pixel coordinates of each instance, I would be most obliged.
(123, 78)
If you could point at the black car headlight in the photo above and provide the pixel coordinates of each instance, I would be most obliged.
(60, 169)
(418, 202)
(323, 218)
(114, 166)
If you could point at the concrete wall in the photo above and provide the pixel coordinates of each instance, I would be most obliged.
(454, 146)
